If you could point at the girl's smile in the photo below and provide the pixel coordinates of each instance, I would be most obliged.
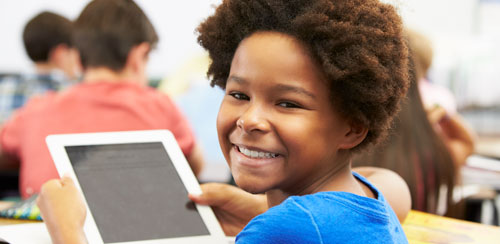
(258, 154)
(254, 159)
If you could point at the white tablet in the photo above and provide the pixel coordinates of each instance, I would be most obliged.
(135, 186)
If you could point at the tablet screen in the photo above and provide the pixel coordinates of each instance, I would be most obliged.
(134, 192)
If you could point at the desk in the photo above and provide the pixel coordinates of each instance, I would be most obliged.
(424, 228)
(481, 171)
(420, 228)
(3, 221)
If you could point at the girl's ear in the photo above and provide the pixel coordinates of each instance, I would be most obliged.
(354, 136)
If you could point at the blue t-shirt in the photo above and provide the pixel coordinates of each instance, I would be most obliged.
(327, 217)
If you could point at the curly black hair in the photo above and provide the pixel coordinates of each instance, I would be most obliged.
(358, 44)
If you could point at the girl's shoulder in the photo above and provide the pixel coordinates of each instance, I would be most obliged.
(323, 217)
(336, 204)
(288, 217)
(326, 217)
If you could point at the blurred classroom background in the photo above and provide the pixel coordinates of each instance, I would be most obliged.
(465, 36)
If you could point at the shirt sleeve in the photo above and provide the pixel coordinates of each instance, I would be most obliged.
(286, 223)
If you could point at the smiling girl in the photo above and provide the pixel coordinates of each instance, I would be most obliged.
(308, 84)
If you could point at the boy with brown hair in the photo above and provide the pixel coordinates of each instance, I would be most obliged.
(47, 39)
(114, 38)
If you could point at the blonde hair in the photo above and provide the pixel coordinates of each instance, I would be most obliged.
(422, 52)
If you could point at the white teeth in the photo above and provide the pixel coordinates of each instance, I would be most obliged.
(256, 154)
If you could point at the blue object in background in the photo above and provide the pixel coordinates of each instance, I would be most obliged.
(201, 104)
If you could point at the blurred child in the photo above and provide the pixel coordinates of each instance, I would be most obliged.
(47, 40)
(114, 38)
(416, 152)
(307, 85)
(440, 103)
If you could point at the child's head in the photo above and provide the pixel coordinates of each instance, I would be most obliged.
(305, 80)
(43, 33)
(107, 30)
(422, 52)
(358, 46)
(47, 39)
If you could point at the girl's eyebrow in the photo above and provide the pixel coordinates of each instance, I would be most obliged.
(294, 89)
(279, 87)
(237, 79)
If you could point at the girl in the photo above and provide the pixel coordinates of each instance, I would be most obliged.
(416, 152)
(308, 84)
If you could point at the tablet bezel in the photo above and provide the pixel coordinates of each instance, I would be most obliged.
(57, 144)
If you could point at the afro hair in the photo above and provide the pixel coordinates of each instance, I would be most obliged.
(358, 44)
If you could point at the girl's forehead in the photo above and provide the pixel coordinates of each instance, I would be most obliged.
(272, 42)
(275, 55)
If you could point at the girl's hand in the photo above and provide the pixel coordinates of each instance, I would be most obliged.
(455, 133)
(233, 206)
(63, 211)
(436, 114)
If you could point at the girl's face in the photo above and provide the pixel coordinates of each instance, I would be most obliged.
(277, 127)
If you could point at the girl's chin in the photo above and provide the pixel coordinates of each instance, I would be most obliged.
(251, 187)
(253, 190)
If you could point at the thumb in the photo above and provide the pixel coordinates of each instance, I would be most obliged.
(67, 181)
(214, 194)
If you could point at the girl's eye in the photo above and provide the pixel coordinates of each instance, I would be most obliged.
(239, 96)
(288, 105)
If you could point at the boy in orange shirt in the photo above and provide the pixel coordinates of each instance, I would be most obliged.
(114, 38)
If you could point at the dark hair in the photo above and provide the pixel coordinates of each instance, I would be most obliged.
(417, 153)
(106, 31)
(44, 32)
(357, 43)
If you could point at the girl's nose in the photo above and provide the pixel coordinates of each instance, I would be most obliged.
(253, 120)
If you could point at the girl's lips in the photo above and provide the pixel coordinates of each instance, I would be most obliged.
(253, 162)
(255, 153)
